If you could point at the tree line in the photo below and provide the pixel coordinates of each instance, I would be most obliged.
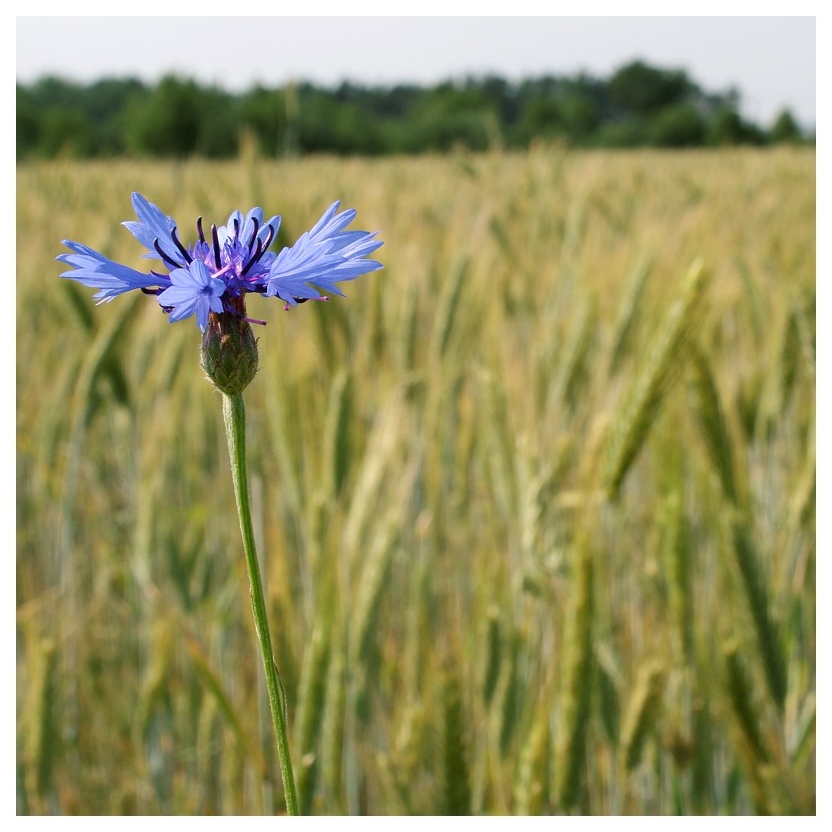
(637, 106)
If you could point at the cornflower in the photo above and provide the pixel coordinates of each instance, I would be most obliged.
(209, 280)
(215, 273)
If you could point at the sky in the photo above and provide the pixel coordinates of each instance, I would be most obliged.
(769, 60)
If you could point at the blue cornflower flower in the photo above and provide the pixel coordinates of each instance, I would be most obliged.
(213, 274)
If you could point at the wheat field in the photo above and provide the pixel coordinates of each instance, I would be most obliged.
(535, 504)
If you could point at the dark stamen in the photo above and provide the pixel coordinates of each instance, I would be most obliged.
(254, 258)
(182, 249)
(216, 246)
(150, 291)
(236, 228)
(254, 233)
(269, 238)
(199, 230)
(165, 256)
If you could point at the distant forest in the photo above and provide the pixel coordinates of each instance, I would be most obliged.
(638, 106)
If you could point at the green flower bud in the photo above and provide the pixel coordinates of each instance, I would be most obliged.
(229, 352)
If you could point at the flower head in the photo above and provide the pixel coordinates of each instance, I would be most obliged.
(213, 274)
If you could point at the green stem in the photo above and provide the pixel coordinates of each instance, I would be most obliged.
(234, 413)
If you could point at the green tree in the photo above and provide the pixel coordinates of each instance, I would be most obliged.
(638, 105)
(218, 123)
(725, 128)
(541, 118)
(580, 115)
(627, 132)
(104, 103)
(680, 125)
(448, 116)
(264, 111)
(167, 122)
(642, 90)
(28, 122)
(785, 129)
(64, 131)
(325, 126)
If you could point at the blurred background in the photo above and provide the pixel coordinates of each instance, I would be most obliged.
(172, 86)
(535, 504)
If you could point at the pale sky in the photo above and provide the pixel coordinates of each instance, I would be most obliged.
(770, 60)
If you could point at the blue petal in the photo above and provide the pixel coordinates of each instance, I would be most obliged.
(194, 291)
(322, 257)
(99, 272)
(263, 233)
(247, 226)
(153, 225)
